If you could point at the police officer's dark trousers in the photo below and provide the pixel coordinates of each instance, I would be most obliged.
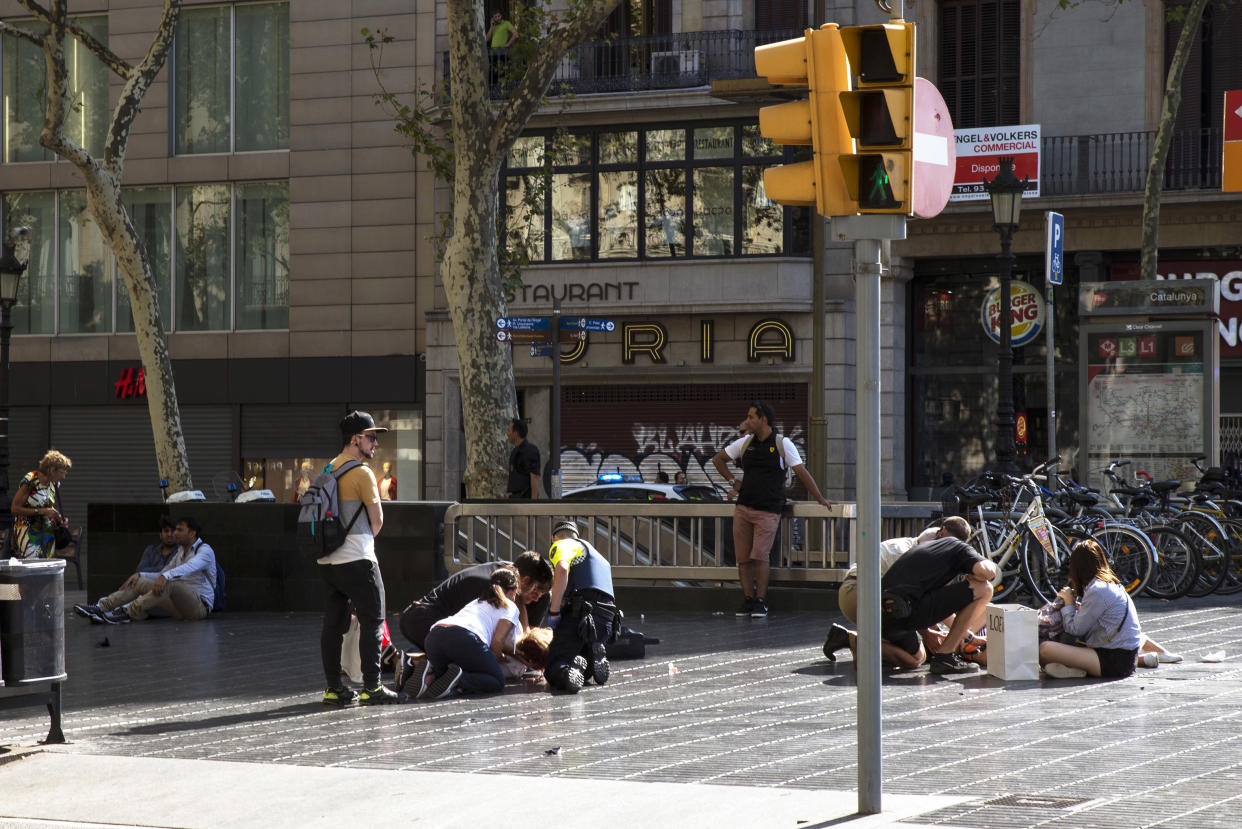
(568, 640)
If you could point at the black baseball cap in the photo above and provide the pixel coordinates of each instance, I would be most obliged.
(357, 422)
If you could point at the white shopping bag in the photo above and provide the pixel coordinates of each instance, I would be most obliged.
(351, 663)
(1013, 642)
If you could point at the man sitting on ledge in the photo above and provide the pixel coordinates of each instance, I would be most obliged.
(185, 589)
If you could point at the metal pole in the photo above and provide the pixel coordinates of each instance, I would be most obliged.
(867, 522)
(1052, 387)
(554, 451)
(6, 333)
(1004, 361)
(817, 450)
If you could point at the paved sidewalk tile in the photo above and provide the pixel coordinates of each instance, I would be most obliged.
(721, 701)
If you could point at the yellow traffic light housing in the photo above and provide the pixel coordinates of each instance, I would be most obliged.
(818, 61)
(879, 113)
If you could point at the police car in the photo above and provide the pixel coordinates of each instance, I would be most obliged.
(615, 487)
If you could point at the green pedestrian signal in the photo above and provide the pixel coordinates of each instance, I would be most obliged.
(879, 111)
(875, 189)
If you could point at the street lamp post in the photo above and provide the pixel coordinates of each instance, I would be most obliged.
(1005, 191)
(10, 278)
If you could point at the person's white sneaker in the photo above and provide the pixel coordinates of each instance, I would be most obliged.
(1059, 671)
(1169, 657)
(1147, 660)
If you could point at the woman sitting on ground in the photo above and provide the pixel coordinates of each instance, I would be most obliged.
(1100, 613)
(464, 650)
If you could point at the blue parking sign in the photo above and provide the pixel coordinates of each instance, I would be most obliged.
(1054, 259)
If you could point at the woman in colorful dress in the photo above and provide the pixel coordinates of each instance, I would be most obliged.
(35, 508)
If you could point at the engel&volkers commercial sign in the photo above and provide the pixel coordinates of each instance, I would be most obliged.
(978, 151)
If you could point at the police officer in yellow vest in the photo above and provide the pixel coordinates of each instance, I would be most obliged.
(582, 612)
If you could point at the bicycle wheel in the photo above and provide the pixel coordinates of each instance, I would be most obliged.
(1010, 573)
(1129, 552)
(1177, 564)
(1232, 582)
(1044, 574)
(1209, 540)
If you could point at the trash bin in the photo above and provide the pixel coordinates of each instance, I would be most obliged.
(32, 620)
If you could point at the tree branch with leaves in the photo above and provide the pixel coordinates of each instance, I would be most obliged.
(464, 136)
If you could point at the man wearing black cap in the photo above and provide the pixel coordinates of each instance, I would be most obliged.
(352, 570)
(581, 611)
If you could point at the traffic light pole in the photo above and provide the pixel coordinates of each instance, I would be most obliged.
(867, 233)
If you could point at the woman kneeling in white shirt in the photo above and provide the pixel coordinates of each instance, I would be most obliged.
(464, 651)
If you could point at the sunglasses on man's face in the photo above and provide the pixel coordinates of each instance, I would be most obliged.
(373, 438)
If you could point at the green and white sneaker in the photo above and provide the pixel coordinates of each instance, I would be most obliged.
(340, 696)
(379, 695)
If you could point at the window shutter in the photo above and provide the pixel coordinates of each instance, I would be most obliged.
(780, 14)
(980, 61)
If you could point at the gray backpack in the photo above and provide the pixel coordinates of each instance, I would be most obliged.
(320, 530)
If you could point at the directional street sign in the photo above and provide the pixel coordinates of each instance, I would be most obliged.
(541, 350)
(572, 336)
(587, 324)
(523, 323)
(522, 336)
(1054, 253)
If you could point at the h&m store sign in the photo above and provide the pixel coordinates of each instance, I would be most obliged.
(1225, 271)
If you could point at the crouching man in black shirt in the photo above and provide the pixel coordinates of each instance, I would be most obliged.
(922, 588)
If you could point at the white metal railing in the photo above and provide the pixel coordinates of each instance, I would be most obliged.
(670, 541)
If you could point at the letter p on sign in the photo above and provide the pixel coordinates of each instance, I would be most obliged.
(1054, 254)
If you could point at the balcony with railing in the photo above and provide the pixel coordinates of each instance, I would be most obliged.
(1070, 165)
(1116, 162)
(630, 64)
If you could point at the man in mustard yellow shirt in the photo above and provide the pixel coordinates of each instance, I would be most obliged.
(352, 572)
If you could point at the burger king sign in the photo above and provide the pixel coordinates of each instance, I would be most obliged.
(1026, 310)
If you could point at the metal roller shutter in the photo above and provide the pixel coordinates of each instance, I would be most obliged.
(27, 441)
(209, 443)
(113, 457)
(650, 428)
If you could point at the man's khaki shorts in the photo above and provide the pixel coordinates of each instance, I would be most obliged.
(847, 598)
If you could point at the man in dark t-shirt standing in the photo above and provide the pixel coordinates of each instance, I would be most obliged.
(523, 463)
(760, 499)
(922, 587)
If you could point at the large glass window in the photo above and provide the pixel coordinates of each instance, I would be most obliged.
(524, 208)
(666, 212)
(571, 216)
(35, 312)
(228, 247)
(231, 89)
(618, 215)
(952, 368)
(203, 258)
(649, 193)
(85, 270)
(150, 209)
(262, 255)
(25, 82)
(713, 211)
